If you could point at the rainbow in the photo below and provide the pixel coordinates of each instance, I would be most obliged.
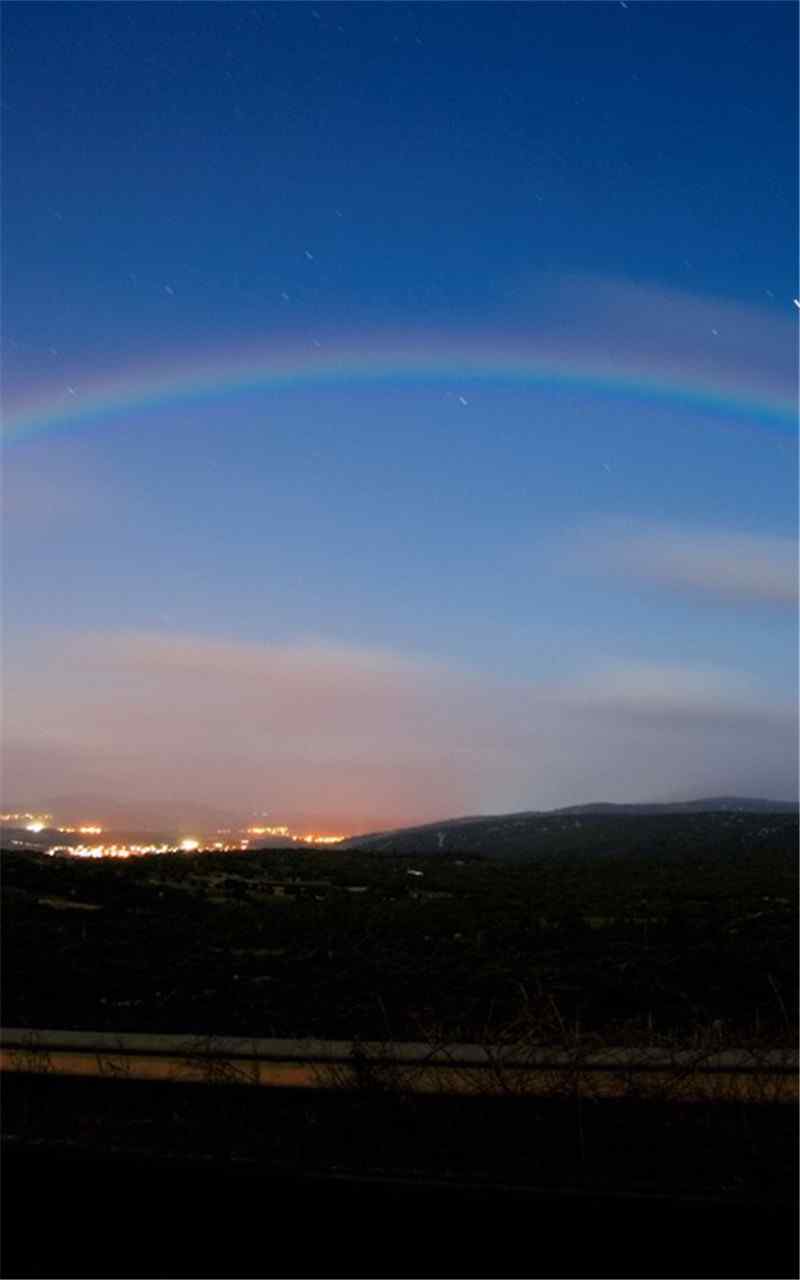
(457, 363)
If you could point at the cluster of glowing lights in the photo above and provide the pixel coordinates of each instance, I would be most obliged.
(122, 850)
(99, 850)
(234, 841)
(309, 838)
(31, 821)
(189, 845)
(37, 822)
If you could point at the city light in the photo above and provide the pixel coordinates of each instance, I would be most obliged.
(26, 819)
(38, 822)
(288, 834)
(233, 840)
(98, 850)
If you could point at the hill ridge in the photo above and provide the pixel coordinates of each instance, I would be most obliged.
(511, 830)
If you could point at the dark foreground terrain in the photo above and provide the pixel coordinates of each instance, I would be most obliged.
(663, 931)
(144, 1219)
(668, 923)
(115, 1178)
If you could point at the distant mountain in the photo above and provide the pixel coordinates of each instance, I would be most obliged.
(591, 828)
(718, 804)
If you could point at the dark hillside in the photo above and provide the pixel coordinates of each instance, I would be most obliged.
(604, 831)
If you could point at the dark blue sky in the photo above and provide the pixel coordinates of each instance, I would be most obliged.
(430, 153)
(182, 178)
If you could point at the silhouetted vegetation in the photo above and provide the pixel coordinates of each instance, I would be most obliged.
(636, 1145)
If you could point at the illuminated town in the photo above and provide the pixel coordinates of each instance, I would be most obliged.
(226, 840)
(306, 838)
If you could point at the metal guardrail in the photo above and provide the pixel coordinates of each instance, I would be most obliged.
(401, 1053)
(768, 1075)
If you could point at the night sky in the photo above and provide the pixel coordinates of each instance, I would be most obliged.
(399, 406)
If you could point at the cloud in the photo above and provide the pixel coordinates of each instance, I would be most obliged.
(746, 345)
(361, 739)
(738, 568)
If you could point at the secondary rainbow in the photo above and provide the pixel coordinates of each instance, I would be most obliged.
(455, 364)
